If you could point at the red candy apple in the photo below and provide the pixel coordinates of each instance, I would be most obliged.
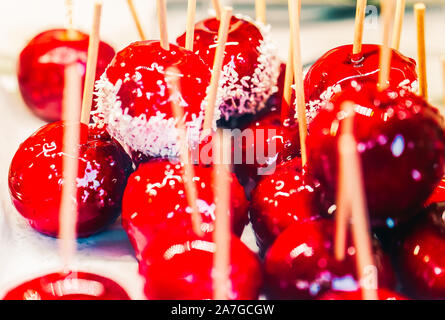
(282, 198)
(35, 179)
(135, 103)
(438, 195)
(421, 257)
(250, 70)
(392, 128)
(42, 64)
(155, 202)
(383, 294)
(180, 267)
(301, 263)
(68, 286)
(263, 145)
(339, 66)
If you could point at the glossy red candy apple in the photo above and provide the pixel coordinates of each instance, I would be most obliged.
(155, 202)
(251, 68)
(134, 97)
(392, 128)
(180, 267)
(301, 263)
(382, 293)
(42, 64)
(282, 198)
(438, 195)
(421, 257)
(263, 145)
(35, 179)
(339, 66)
(68, 286)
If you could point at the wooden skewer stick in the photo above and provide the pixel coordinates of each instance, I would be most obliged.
(386, 51)
(68, 208)
(136, 20)
(162, 19)
(359, 23)
(288, 81)
(69, 19)
(355, 195)
(222, 233)
(190, 29)
(419, 12)
(189, 171)
(398, 24)
(90, 76)
(443, 81)
(294, 17)
(218, 8)
(217, 68)
(260, 11)
(343, 213)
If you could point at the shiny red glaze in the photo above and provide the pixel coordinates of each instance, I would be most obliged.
(270, 144)
(141, 66)
(438, 195)
(155, 202)
(392, 129)
(301, 263)
(35, 179)
(179, 267)
(241, 49)
(282, 198)
(383, 294)
(42, 65)
(339, 66)
(68, 286)
(421, 257)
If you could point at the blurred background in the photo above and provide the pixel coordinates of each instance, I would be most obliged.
(325, 25)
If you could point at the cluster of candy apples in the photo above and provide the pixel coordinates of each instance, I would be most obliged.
(291, 208)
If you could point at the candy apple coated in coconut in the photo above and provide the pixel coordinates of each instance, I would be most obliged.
(155, 202)
(35, 179)
(180, 267)
(42, 64)
(68, 286)
(134, 100)
(301, 263)
(251, 68)
(392, 129)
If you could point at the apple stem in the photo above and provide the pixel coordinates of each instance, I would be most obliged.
(222, 233)
(71, 133)
(217, 69)
(136, 20)
(189, 173)
(419, 12)
(398, 23)
(90, 77)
